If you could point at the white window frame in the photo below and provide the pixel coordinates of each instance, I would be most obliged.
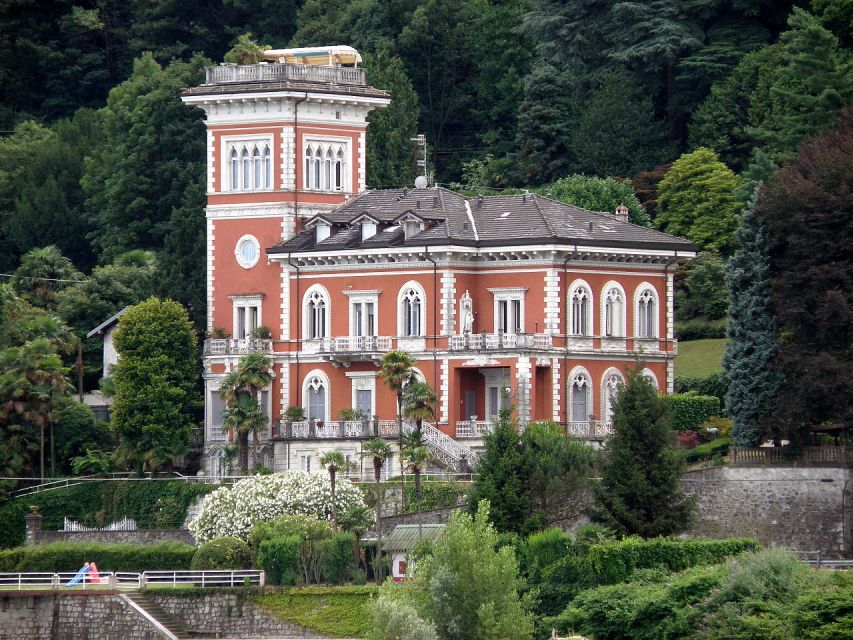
(238, 251)
(360, 298)
(402, 308)
(308, 383)
(515, 324)
(307, 311)
(606, 392)
(363, 381)
(605, 294)
(580, 372)
(245, 302)
(329, 151)
(570, 312)
(248, 143)
(655, 326)
(650, 375)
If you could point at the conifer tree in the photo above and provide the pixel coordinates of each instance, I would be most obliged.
(640, 491)
(752, 345)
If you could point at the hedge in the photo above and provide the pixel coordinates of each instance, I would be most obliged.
(70, 556)
(280, 558)
(688, 411)
(700, 329)
(223, 553)
(716, 384)
(706, 450)
(152, 503)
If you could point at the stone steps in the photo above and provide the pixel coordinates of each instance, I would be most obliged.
(146, 602)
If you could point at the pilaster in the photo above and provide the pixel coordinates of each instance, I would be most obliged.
(557, 386)
(552, 301)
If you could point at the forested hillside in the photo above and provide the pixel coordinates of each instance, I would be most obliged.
(100, 158)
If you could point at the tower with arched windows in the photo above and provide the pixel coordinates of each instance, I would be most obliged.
(507, 300)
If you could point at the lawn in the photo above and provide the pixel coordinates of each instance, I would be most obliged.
(699, 358)
(340, 612)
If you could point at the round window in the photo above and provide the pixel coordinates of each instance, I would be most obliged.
(247, 251)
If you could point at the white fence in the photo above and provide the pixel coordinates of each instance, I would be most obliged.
(129, 580)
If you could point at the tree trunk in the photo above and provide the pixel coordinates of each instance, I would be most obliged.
(243, 448)
(41, 467)
(417, 471)
(254, 450)
(377, 469)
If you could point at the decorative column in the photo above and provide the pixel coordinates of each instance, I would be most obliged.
(33, 526)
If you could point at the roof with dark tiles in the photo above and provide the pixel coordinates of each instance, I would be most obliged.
(452, 219)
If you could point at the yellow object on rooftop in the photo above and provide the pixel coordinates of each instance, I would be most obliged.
(331, 56)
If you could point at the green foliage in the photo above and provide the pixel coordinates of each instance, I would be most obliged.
(42, 274)
(696, 200)
(597, 194)
(807, 209)
(152, 504)
(688, 411)
(70, 556)
(337, 558)
(619, 115)
(393, 617)
(279, 557)
(700, 329)
(708, 450)
(542, 549)
(698, 292)
(76, 432)
(246, 51)
(319, 549)
(340, 612)
(640, 490)
(156, 396)
(223, 553)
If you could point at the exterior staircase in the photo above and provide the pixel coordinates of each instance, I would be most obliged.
(446, 451)
(148, 604)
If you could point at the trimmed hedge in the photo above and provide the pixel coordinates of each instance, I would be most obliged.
(152, 503)
(337, 558)
(706, 450)
(280, 558)
(688, 411)
(223, 553)
(700, 329)
(70, 556)
(716, 384)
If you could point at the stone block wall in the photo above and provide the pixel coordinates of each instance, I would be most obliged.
(140, 536)
(226, 615)
(804, 509)
(77, 616)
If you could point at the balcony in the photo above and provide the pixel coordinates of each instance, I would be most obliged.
(496, 341)
(590, 429)
(229, 346)
(473, 428)
(274, 72)
(336, 430)
(343, 350)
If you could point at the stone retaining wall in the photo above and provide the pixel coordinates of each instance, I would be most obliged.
(226, 615)
(72, 616)
(139, 536)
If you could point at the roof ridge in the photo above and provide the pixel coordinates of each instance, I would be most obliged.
(541, 213)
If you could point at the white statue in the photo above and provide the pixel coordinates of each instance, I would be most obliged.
(467, 313)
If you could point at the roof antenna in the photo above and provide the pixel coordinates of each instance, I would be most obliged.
(590, 225)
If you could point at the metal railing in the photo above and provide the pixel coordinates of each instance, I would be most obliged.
(275, 72)
(229, 346)
(26, 581)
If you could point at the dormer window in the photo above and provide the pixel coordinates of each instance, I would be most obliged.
(323, 231)
(368, 230)
(412, 228)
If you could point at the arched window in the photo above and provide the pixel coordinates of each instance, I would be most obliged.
(216, 463)
(327, 171)
(411, 312)
(235, 170)
(649, 375)
(646, 315)
(339, 170)
(611, 385)
(580, 397)
(318, 155)
(309, 163)
(267, 167)
(315, 395)
(316, 315)
(256, 166)
(581, 312)
(614, 313)
(247, 169)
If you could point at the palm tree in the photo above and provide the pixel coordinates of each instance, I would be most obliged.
(419, 403)
(417, 457)
(243, 416)
(334, 461)
(396, 369)
(44, 273)
(251, 376)
(380, 451)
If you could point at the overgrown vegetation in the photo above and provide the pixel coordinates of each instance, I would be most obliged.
(70, 556)
(340, 612)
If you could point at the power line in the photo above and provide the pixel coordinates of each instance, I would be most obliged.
(12, 275)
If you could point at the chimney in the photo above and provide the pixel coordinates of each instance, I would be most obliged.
(435, 202)
(480, 201)
(622, 213)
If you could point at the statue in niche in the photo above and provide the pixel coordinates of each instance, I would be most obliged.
(467, 313)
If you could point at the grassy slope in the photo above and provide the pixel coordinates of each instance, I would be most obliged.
(699, 358)
(340, 612)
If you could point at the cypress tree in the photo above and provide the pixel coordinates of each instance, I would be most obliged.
(752, 344)
(640, 490)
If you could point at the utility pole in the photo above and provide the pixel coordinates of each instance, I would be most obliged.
(421, 156)
(79, 366)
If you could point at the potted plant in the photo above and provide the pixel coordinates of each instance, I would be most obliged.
(349, 414)
(261, 332)
(291, 415)
(218, 333)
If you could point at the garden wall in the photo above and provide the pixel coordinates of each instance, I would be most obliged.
(804, 509)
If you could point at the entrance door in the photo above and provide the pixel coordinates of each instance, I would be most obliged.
(317, 404)
(493, 397)
(470, 404)
(364, 402)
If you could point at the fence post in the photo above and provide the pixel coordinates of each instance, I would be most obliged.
(143, 580)
(262, 579)
(112, 582)
(54, 581)
(232, 578)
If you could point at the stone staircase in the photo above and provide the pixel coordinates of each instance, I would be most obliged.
(446, 451)
(147, 603)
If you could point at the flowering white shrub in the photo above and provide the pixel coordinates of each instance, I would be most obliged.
(231, 511)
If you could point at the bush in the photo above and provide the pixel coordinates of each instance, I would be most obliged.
(392, 617)
(707, 450)
(279, 557)
(223, 553)
(231, 511)
(700, 329)
(313, 534)
(688, 411)
(543, 549)
(70, 556)
(715, 384)
(435, 494)
(716, 427)
(687, 440)
(337, 558)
